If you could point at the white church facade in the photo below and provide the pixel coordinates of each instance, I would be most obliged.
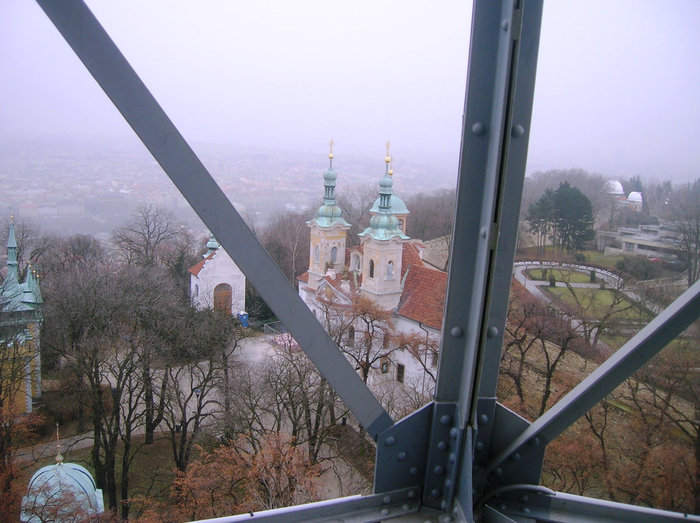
(216, 281)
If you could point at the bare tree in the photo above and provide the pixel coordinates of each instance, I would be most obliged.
(140, 242)
(356, 203)
(286, 238)
(684, 210)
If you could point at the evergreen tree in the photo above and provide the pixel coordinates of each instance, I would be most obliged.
(565, 214)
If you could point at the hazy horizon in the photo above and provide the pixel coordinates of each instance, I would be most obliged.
(617, 88)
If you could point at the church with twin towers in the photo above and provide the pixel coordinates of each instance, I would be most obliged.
(387, 267)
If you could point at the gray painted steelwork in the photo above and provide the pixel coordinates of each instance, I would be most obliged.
(431, 466)
(353, 509)
(140, 109)
(616, 369)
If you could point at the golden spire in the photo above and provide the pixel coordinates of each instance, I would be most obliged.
(59, 457)
(330, 155)
(391, 167)
(387, 159)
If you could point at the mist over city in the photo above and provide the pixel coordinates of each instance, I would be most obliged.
(404, 315)
(259, 92)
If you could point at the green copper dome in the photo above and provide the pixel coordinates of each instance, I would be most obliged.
(384, 225)
(329, 214)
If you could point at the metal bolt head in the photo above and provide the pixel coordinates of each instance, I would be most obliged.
(524, 498)
(385, 512)
(456, 332)
(517, 131)
(441, 445)
(515, 457)
(504, 25)
(445, 419)
(402, 456)
(483, 419)
(439, 470)
(535, 441)
(436, 493)
(386, 500)
(491, 332)
(405, 507)
(413, 471)
(389, 441)
(526, 510)
(454, 433)
(411, 494)
(478, 129)
(479, 446)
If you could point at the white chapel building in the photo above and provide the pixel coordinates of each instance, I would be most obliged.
(216, 282)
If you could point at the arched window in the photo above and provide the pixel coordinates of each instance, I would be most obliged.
(371, 268)
(390, 270)
(317, 254)
(196, 290)
(334, 255)
(223, 298)
(355, 263)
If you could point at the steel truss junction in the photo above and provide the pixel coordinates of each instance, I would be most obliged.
(463, 457)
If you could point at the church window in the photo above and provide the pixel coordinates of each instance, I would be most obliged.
(384, 365)
(334, 255)
(317, 254)
(223, 298)
(400, 371)
(390, 270)
(196, 290)
(371, 268)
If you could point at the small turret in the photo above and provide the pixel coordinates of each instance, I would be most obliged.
(212, 245)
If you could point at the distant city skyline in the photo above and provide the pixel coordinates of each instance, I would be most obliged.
(617, 90)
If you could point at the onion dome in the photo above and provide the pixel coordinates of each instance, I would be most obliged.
(329, 214)
(384, 225)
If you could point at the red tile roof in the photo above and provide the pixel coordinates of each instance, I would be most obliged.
(410, 256)
(195, 269)
(304, 277)
(423, 297)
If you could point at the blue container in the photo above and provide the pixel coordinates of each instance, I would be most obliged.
(243, 318)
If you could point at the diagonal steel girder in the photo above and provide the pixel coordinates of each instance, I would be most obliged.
(116, 77)
(616, 369)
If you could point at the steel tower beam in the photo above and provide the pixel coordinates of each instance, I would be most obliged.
(119, 81)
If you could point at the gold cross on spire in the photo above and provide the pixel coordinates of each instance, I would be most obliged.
(330, 155)
(391, 167)
(387, 159)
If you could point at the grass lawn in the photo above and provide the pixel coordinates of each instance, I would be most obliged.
(561, 275)
(599, 302)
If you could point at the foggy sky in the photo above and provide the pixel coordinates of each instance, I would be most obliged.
(618, 87)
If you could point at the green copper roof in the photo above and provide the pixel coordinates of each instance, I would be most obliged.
(329, 214)
(397, 205)
(212, 245)
(14, 295)
(384, 225)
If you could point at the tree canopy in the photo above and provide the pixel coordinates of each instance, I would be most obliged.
(563, 215)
